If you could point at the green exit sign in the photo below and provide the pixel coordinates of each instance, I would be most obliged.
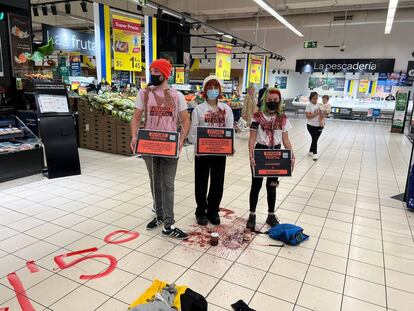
(1, 16)
(310, 44)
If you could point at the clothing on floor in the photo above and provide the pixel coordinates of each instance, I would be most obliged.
(271, 183)
(156, 287)
(206, 167)
(193, 301)
(162, 301)
(315, 132)
(162, 176)
(241, 306)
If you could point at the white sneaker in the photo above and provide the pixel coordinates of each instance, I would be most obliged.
(315, 157)
(310, 154)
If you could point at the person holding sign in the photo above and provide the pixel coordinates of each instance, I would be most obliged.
(269, 129)
(212, 114)
(163, 108)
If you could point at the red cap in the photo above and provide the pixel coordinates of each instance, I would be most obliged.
(163, 66)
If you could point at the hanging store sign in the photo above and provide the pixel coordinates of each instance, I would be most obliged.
(179, 75)
(20, 34)
(345, 65)
(223, 61)
(400, 112)
(127, 43)
(256, 63)
(69, 40)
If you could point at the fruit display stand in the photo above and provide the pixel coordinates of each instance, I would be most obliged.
(101, 132)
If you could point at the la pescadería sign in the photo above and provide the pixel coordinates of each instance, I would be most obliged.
(69, 40)
(372, 65)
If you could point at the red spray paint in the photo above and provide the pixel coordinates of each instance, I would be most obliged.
(20, 292)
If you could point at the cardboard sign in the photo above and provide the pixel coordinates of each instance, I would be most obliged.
(215, 141)
(272, 163)
(158, 143)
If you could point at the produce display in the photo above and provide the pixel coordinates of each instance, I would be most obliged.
(10, 130)
(6, 147)
(39, 76)
(232, 100)
(112, 104)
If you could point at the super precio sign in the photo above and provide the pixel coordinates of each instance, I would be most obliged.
(345, 65)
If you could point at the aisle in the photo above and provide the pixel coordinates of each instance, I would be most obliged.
(360, 255)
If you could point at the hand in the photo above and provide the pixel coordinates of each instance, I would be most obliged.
(133, 144)
(252, 162)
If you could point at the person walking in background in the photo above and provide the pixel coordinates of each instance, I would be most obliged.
(163, 108)
(211, 113)
(260, 95)
(249, 105)
(268, 130)
(325, 109)
(313, 114)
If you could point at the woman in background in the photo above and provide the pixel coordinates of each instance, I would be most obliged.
(313, 115)
(249, 105)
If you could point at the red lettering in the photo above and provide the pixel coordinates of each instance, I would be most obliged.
(59, 260)
(33, 268)
(132, 236)
(20, 292)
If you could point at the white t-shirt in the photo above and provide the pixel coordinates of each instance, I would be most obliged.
(205, 115)
(314, 121)
(262, 136)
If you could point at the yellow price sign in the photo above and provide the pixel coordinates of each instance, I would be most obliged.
(127, 43)
(179, 75)
(223, 61)
(255, 69)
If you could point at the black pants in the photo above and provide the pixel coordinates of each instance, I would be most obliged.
(271, 183)
(205, 167)
(315, 132)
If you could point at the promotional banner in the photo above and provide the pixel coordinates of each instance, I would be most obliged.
(102, 23)
(179, 75)
(400, 112)
(215, 141)
(281, 83)
(346, 65)
(20, 45)
(256, 63)
(223, 61)
(272, 163)
(127, 43)
(363, 86)
(75, 64)
(63, 70)
(69, 40)
(157, 143)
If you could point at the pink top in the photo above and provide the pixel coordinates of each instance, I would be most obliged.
(162, 108)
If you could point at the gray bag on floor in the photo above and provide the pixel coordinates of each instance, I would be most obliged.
(162, 301)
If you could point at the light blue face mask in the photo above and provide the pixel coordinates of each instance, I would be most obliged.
(212, 94)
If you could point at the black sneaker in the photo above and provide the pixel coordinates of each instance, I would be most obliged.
(251, 222)
(156, 222)
(202, 220)
(272, 220)
(175, 233)
(214, 219)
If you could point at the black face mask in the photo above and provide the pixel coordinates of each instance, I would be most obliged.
(156, 80)
(272, 106)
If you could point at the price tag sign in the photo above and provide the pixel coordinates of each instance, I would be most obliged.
(215, 141)
(272, 163)
(158, 143)
(127, 43)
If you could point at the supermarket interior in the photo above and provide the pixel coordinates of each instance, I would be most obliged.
(135, 136)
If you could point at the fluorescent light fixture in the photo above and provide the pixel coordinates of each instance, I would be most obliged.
(228, 36)
(392, 7)
(276, 15)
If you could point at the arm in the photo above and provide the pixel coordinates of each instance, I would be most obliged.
(288, 145)
(310, 114)
(229, 118)
(194, 124)
(252, 142)
(135, 125)
(185, 127)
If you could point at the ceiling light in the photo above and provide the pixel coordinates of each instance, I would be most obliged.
(53, 9)
(197, 26)
(228, 36)
(67, 7)
(205, 56)
(159, 13)
(251, 47)
(182, 22)
(209, 61)
(234, 56)
(84, 6)
(44, 10)
(221, 39)
(200, 61)
(239, 61)
(139, 8)
(205, 50)
(244, 45)
(392, 7)
(276, 15)
(273, 71)
(35, 11)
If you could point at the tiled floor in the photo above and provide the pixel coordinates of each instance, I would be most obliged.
(360, 255)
